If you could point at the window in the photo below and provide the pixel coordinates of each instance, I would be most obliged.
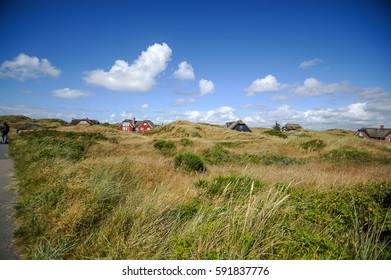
(361, 133)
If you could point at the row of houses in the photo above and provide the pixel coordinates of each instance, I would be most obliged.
(131, 125)
(127, 125)
(240, 125)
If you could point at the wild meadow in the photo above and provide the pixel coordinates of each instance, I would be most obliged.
(199, 191)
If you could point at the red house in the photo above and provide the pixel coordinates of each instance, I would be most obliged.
(144, 126)
(137, 126)
(380, 134)
(127, 125)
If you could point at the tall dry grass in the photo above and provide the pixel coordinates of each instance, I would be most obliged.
(123, 199)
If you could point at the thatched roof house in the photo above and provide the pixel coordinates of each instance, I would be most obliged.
(291, 126)
(85, 122)
(238, 125)
(380, 134)
(28, 127)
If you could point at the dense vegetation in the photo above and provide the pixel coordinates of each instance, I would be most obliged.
(194, 191)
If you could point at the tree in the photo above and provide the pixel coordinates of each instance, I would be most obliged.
(277, 126)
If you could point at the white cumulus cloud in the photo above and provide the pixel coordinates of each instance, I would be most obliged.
(267, 84)
(185, 71)
(68, 93)
(218, 115)
(183, 101)
(206, 87)
(25, 67)
(314, 87)
(310, 63)
(139, 76)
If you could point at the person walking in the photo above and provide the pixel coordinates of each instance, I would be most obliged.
(4, 132)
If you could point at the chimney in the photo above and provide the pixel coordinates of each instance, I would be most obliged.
(134, 121)
(382, 126)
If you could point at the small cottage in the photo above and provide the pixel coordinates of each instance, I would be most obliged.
(238, 125)
(28, 127)
(291, 126)
(85, 122)
(380, 134)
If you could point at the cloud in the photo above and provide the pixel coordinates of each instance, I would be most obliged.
(280, 98)
(145, 106)
(34, 112)
(313, 87)
(310, 63)
(352, 116)
(138, 77)
(25, 67)
(206, 87)
(185, 71)
(68, 93)
(183, 102)
(267, 84)
(218, 115)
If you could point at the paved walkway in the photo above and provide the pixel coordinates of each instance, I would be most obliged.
(7, 198)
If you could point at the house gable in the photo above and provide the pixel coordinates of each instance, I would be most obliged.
(145, 125)
(238, 126)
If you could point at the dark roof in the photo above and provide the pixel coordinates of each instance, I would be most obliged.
(292, 126)
(29, 126)
(76, 121)
(376, 132)
(232, 125)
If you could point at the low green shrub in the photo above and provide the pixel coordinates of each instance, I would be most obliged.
(217, 155)
(277, 133)
(189, 162)
(166, 147)
(270, 159)
(313, 145)
(186, 142)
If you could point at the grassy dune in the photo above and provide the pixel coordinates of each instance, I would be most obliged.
(97, 193)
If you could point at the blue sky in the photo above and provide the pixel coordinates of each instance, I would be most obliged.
(323, 64)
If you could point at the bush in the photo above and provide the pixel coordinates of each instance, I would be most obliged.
(186, 142)
(189, 162)
(218, 156)
(278, 133)
(313, 145)
(230, 184)
(165, 147)
(269, 159)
